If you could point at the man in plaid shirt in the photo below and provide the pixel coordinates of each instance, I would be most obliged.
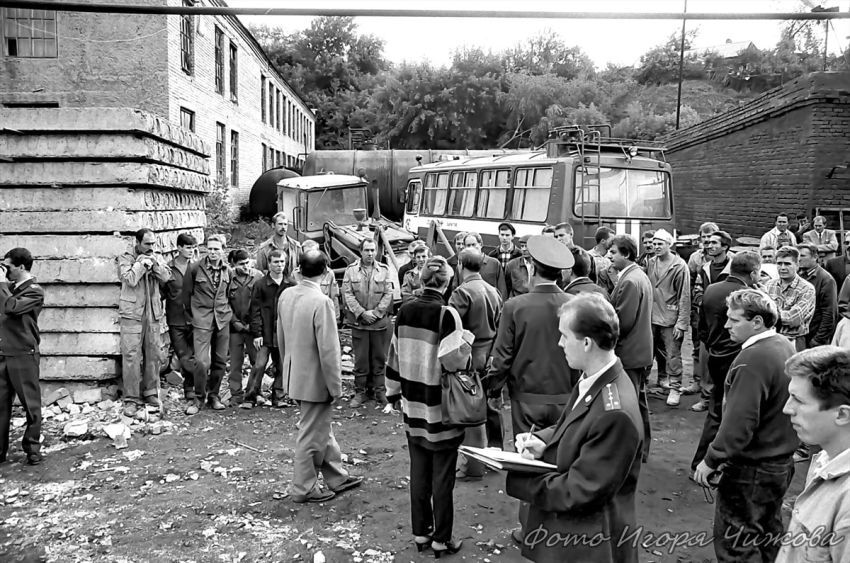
(506, 250)
(794, 296)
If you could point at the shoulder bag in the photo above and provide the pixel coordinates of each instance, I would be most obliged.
(464, 402)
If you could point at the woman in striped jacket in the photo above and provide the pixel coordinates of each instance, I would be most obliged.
(413, 377)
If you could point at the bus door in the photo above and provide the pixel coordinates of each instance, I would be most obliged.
(413, 197)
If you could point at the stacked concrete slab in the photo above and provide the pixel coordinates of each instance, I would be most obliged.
(75, 184)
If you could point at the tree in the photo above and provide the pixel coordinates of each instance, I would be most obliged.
(546, 53)
(660, 64)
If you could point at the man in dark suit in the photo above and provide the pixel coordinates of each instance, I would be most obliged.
(526, 353)
(596, 446)
(839, 266)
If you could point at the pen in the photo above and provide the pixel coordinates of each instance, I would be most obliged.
(530, 432)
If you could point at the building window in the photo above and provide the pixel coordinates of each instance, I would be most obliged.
(271, 104)
(263, 98)
(29, 33)
(265, 162)
(279, 118)
(219, 61)
(187, 119)
(234, 158)
(234, 73)
(271, 157)
(187, 41)
(219, 153)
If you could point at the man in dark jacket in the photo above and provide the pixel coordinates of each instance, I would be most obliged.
(596, 446)
(839, 267)
(721, 349)
(632, 299)
(822, 325)
(241, 339)
(579, 282)
(20, 305)
(179, 328)
(755, 441)
(518, 271)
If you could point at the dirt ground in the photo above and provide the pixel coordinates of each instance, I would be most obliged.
(214, 487)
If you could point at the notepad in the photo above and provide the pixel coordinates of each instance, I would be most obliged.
(507, 461)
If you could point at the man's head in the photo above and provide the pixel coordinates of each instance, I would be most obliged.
(746, 265)
(473, 240)
(280, 222)
(661, 243)
(277, 261)
(719, 244)
(436, 273)
(309, 244)
(581, 265)
(603, 235)
(470, 260)
(819, 396)
(215, 248)
(787, 263)
(623, 252)
(313, 264)
(186, 246)
(145, 241)
(750, 312)
(768, 255)
(646, 240)
(548, 231)
(819, 223)
(808, 255)
(589, 328)
(506, 233)
(459, 241)
(522, 243)
(564, 234)
(705, 230)
(782, 222)
(420, 256)
(18, 263)
(368, 249)
(240, 261)
(410, 247)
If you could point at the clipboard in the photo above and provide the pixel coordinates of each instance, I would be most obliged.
(501, 460)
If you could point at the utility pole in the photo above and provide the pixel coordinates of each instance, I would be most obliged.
(681, 68)
(820, 9)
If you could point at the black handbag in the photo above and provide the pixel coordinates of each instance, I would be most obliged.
(464, 402)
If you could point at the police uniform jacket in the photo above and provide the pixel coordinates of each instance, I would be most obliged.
(585, 510)
(19, 310)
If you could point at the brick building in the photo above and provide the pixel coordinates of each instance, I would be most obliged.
(206, 73)
(786, 151)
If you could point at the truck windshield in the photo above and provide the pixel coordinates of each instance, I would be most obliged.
(333, 204)
(622, 192)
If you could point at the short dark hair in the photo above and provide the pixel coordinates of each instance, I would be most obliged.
(185, 239)
(548, 229)
(507, 226)
(546, 272)
(778, 215)
(725, 238)
(603, 233)
(626, 245)
(754, 303)
(365, 240)
(812, 248)
(593, 317)
(581, 267)
(20, 257)
(471, 259)
(647, 235)
(237, 255)
(788, 252)
(140, 234)
(564, 227)
(313, 263)
(275, 253)
(744, 263)
(828, 370)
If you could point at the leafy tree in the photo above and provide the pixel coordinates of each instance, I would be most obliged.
(660, 64)
(546, 53)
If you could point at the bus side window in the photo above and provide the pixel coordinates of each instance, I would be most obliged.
(493, 194)
(414, 195)
(462, 194)
(436, 190)
(531, 194)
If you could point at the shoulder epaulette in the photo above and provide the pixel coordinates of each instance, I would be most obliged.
(611, 397)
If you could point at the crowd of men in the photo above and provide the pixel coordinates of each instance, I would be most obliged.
(748, 312)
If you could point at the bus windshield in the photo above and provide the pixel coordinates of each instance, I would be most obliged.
(622, 192)
(333, 204)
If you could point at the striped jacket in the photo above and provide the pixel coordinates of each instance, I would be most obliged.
(413, 370)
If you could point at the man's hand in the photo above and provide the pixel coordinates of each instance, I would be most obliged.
(529, 445)
(239, 326)
(702, 473)
(258, 342)
(368, 317)
(678, 334)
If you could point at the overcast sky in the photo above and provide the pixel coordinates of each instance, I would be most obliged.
(617, 41)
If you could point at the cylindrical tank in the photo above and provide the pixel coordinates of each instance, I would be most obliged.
(263, 199)
(388, 167)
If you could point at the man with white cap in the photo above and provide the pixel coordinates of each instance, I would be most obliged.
(671, 311)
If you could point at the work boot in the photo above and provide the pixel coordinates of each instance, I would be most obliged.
(34, 458)
(130, 409)
(153, 401)
(359, 399)
(194, 407)
(215, 403)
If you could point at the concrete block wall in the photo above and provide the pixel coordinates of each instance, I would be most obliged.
(774, 154)
(75, 185)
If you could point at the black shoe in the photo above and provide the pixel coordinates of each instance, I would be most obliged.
(349, 483)
(450, 549)
(422, 545)
(316, 495)
(34, 458)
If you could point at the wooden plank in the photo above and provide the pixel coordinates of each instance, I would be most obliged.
(53, 247)
(82, 344)
(91, 222)
(81, 295)
(94, 319)
(78, 368)
(86, 270)
(101, 120)
(66, 198)
(75, 173)
(100, 146)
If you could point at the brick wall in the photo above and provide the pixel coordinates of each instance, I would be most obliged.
(771, 155)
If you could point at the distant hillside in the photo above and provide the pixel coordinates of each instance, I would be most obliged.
(706, 98)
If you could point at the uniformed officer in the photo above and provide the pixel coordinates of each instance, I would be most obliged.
(20, 305)
(526, 354)
(596, 446)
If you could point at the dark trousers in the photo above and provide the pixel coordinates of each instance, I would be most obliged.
(211, 347)
(181, 341)
(639, 377)
(255, 381)
(370, 357)
(432, 483)
(748, 511)
(240, 344)
(19, 376)
(718, 367)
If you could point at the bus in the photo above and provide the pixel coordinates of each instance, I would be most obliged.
(579, 177)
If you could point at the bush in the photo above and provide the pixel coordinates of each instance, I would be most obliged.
(219, 211)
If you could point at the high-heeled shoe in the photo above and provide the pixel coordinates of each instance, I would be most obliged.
(422, 543)
(450, 549)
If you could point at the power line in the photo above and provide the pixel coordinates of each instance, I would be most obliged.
(400, 13)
